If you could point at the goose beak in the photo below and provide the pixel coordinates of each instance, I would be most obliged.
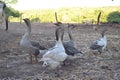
(72, 25)
(58, 23)
(27, 21)
(24, 20)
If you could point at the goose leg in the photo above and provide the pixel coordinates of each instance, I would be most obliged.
(36, 60)
(106, 49)
(100, 51)
(30, 58)
(64, 63)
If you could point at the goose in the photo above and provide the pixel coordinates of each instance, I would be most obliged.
(70, 46)
(27, 43)
(54, 56)
(3, 15)
(100, 44)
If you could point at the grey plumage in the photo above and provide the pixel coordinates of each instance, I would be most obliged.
(70, 46)
(70, 50)
(37, 44)
(35, 51)
(95, 46)
(101, 43)
(27, 43)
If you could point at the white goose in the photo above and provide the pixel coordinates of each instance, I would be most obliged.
(28, 44)
(55, 55)
(100, 44)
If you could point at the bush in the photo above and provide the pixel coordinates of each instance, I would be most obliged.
(12, 12)
(35, 20)
(74, 14)
(114, 17)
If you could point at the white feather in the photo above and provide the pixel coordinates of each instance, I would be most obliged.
(51, 63)
(102, 42)
(55, 55)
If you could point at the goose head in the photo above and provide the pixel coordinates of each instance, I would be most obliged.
(49, 63)
(28, 23)
(46, 62)
(58, 23)
(72, 26)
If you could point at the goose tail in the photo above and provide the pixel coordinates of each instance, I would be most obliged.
(80, 52)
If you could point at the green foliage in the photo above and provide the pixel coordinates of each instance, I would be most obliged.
(10, 1)
(75, 14)
(12, 12)
(14, 19)
(9, 10)
(35, 20)
(114, 17)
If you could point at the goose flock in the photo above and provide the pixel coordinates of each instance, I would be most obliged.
(57, 55)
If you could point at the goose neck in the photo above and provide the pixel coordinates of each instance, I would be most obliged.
(70, 32)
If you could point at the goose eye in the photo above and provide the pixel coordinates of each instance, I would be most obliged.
(45, 64)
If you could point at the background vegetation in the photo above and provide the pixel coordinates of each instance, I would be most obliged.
(109, 14)
(12, 12)
(9, 10)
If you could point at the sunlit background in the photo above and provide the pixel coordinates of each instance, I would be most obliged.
(67, 10)
(43, 4)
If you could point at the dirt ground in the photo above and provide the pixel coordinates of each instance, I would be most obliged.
(89, 66)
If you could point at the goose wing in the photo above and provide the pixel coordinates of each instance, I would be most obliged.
(35, 51)
(97, 45)
(37, 45)
(101, 42)
(70, 49)
(55, 54)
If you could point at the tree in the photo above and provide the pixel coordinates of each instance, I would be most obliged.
(114, 17)
(10, 1)
(12, 12)
(9, 10)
